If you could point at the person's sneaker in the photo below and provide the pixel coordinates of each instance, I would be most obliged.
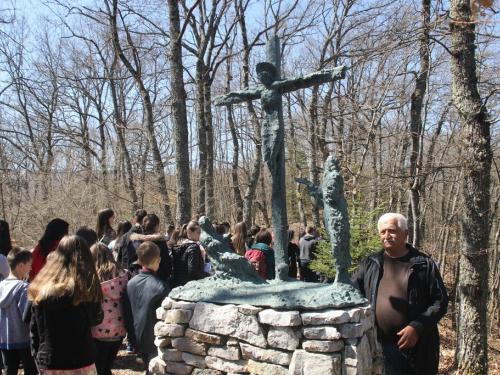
(139, 360)
(130, 350)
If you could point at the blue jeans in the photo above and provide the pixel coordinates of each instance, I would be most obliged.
(396, 360)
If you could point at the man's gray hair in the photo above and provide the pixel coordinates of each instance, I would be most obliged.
(401, 220)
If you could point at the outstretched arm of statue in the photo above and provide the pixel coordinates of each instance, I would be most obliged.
(308, 80)
(239, 96)
(313, 190)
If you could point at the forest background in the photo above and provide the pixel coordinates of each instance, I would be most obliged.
(110, 104)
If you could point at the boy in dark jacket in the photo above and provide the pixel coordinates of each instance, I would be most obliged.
(14, 333)
(144, 294)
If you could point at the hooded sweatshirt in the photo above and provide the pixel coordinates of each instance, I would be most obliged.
(14, 333)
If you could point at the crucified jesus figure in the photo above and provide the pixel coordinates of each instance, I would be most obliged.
(273, 134)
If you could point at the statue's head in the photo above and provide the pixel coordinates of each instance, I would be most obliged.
(266, 73)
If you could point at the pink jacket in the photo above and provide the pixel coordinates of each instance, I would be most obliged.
(113, 324)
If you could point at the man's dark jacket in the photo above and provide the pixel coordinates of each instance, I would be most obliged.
(122, 248)
(427, 303)
(144, 294)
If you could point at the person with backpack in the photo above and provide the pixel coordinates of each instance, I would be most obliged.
(122, 247)
(261, 255)
(188, 260)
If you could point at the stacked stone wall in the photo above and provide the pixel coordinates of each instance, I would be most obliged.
(209, 339)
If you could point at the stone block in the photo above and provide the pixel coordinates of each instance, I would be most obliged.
(169, 330)
(367, 323)
(358, 357)
(355, 313)
(206, 371)
(179, 368)
(161, 342)
(171, 355)
(249, 310)
(157, 365)
(351, 330)
(194, 360)
(231, 353)
(321, 333)
(282, 338)
(365, 310)
(313, 363)
(323, 346)
(280, 318)
(184, 305)
(226, 320)
(204, 337)
(225, 365)
(185, 344)
(265, 355)
(232, 342)
(330, 316)
(265, 368)
(167, 303)
(178, 316)
(161, 313)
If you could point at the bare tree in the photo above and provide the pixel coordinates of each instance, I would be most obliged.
(179, 116)
(476, 154)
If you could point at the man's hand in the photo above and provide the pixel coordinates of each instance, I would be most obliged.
(409, 337)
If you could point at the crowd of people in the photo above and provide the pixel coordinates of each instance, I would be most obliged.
(68, 304)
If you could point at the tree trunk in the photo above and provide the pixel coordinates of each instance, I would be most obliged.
(148, 109)
(472, 348)
(202, 136)
(416, 125)
(209, 176)
(311, 153)
(236, 148)
(179, 117)
(257, 155)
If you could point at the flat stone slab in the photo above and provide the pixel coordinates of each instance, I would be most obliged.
(283, 338)
(312, 363)
(321, 333)
(265, 368)
(330, 316)
(323, 346)
(231, 353)
(225, 365)
(194, 360)
(249, 310)
(206, 371)
(185, 344)
(169, 330)
(162, 341)
(171, 355)
(183, 305)
(204, 337)
(227, 320)
(157, 365)
(177, 316)
(276, 294)
(265, 355)
(280, 318)
(178, 368)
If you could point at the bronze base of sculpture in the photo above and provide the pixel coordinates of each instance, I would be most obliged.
(292, 294)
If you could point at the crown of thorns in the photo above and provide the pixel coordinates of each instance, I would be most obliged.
(266, 67)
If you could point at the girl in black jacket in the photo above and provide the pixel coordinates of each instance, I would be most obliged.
(64, 302)
(188, 260)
